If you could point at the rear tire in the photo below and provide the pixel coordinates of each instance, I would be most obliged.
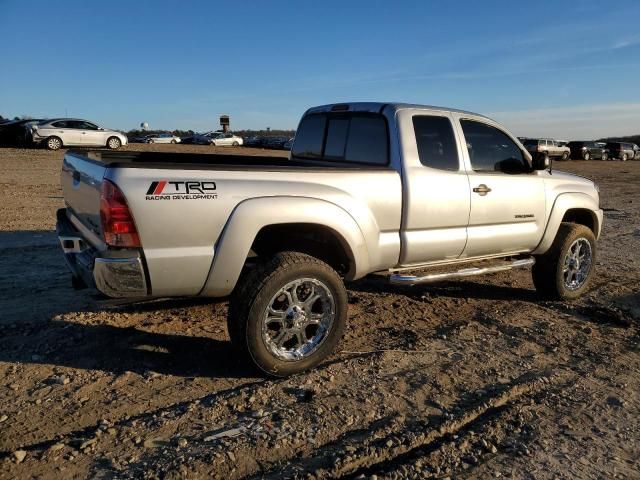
(275, 319)
(236, 144)
(605, 157)
(113, 143)
(586, 156)
(565, 271)
(624, 157)
(565, 156)
(173, 142)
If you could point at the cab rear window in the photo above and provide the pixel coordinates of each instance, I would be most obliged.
(356, 138)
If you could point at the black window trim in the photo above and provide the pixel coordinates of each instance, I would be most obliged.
(491, 172)
(461, 166)
(347, 114)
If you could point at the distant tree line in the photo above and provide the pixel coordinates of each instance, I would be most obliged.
(630, 139)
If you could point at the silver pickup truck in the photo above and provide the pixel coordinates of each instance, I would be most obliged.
(369, 187)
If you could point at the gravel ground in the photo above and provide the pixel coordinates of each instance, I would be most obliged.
(459, 380)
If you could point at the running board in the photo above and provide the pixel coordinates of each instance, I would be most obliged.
(398, 279)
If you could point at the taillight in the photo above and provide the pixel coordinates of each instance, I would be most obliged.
(118, 227)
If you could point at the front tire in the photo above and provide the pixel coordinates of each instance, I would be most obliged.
(565, 271)
(624, 157)
(586, 156)
(235, 144)
(565, 156)
(53, 143)
(605, 157)
(288, 313)
(114, 143)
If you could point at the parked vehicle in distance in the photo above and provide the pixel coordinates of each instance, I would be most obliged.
(621, 150)
(587, 150)
(369, 187)
(226, 140)
(162, 138)
(253, 141)
(203, 138)
(72, 132)
(17, 133)
(276, 143)
(636, 151)
(139, 139)
(547, 147)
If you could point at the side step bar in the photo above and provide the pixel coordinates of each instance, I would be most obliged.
(398, 279)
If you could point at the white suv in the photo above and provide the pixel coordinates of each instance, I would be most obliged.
(68, 132)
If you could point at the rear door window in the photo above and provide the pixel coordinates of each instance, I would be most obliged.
(436, 142)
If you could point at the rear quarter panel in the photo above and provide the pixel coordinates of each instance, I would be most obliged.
(179, 236)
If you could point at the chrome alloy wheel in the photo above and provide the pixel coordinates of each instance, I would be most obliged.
(54, 143)
(114, 143)
(577, 263)
(298, 318)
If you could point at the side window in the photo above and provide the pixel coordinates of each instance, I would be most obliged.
(436, 142)
(61, 124)
(492, 150)
(367, 141)
(310, 136)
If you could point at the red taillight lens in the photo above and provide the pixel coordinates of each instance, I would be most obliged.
(118, 227)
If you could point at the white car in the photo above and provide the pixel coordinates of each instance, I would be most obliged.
(226, 139)
(163, 138)
(73, 132)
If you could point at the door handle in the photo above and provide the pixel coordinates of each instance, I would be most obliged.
(482, 190)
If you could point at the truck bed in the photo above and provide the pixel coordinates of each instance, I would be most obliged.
(218, 161)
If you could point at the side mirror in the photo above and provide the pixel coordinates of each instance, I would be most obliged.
(541, 162)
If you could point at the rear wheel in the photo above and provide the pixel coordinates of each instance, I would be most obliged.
(288, 314)
(114, 143)
(565, 271)
(624, 157)
(53, 143)
(235, 144)
(586, 156)
(565, 156)
(150, 140)
(173, 141)
(605, 156)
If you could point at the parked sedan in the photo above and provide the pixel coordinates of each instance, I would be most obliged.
(68, 132)
(162, 138)
(226, 139)
(584, 150)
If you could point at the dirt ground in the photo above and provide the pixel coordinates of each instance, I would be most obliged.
(469, 379)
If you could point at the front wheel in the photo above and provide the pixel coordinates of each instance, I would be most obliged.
(605, 157)
(565, 156)
(587, 156)
(53, 143)
(114, 143)
(288, 313)
(624, 157)
(235, 144)
(566, 270)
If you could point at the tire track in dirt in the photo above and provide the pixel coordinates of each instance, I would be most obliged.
(412, 436)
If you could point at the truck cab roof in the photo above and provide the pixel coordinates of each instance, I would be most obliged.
(378, 107)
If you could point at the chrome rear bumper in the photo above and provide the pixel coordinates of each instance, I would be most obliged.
(114, 273)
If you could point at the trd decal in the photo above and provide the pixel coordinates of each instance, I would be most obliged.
(187, 190)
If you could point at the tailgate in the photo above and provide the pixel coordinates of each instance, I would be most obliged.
(81, 181)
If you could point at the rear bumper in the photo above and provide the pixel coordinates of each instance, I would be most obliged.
(116, 274)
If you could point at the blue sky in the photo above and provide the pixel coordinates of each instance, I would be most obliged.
(564, 68)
